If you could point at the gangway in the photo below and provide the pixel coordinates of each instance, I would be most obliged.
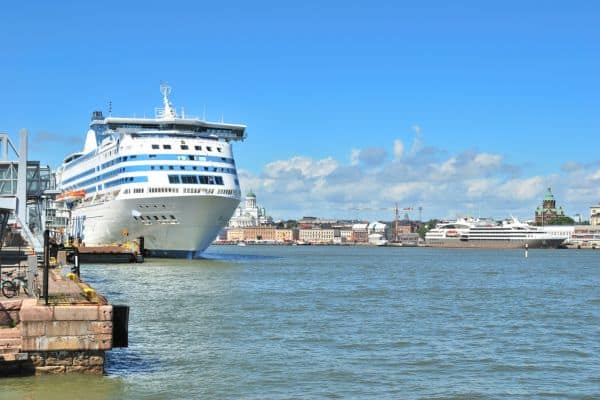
(26, 190)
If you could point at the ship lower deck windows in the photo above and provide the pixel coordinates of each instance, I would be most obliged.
(167, 146)
(198, 148)
(189, 179)
(155, 146)
(184, 147)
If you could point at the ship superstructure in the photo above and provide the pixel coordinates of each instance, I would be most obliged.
(487, 233)
(169, 179)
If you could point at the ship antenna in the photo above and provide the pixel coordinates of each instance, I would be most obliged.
(168, 112)
(110, 108)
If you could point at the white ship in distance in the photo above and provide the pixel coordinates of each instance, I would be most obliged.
(171, 180)
(487, 233)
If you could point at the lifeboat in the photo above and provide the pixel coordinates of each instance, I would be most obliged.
(71, 196)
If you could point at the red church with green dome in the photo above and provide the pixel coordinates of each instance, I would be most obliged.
(548, 211)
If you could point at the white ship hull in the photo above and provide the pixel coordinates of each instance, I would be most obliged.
(178, 227)
(551, 243)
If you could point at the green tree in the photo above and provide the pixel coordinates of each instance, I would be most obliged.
(291, 223)
(426, 227)
(563, 220)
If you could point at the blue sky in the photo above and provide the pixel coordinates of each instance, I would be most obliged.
(458, 107)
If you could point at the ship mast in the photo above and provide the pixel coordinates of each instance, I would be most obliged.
(168, 111)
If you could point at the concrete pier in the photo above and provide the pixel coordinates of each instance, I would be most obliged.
(69, 335)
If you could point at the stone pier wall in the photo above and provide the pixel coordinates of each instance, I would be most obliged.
(63, 338)
(67, 362)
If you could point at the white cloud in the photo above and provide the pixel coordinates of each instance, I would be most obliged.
(487, 160)
(398, 149)
(354, 156)
(443, 186)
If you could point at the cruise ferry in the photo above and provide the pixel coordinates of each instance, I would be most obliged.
(169, 179)
(486, 233)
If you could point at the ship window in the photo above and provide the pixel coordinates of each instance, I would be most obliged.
(173, 178)
(219, 149)
(156, 217)
(189, 179)
(163, 217)
(171, 167)
(194, 168)
(219, 180)
(203, 180)
(208, 148)
(211, 180)
(184, 147)
(161, 167)
(206, 168)
(172, 216)
(181, 167)
(152, 156)
(155, 146)
(152, 167)
(190, 157)
(198, 147)
(167, 146)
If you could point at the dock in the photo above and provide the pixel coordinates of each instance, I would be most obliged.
(68, 334)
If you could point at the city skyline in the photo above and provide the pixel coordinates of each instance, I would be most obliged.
(465, 109)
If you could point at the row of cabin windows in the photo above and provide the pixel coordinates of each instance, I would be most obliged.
(196, 179)
(163, 190)
(150, 156)
(156, 217)
(199, 190)
(193, 168)
(184, 147)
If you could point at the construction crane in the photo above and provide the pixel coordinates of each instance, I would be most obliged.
(396, 215)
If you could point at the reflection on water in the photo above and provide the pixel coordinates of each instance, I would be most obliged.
(260, 322)
(62, 387)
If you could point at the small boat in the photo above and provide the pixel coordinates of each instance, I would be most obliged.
(71, 196)
(241, 243)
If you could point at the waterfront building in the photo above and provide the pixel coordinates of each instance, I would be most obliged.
(360, 232)
(595, 215)
(548, 211)
(260, 233)
(249, 213)
(378, 228)
(286, 235)
(345, 234)
(235, 234)
(317, 235)
(585, 236)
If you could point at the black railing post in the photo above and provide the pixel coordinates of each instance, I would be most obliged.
(46, 263)
(142, 246)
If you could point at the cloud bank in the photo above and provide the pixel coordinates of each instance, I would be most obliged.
(444, 185)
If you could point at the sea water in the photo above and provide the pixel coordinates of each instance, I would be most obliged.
(292, 322)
